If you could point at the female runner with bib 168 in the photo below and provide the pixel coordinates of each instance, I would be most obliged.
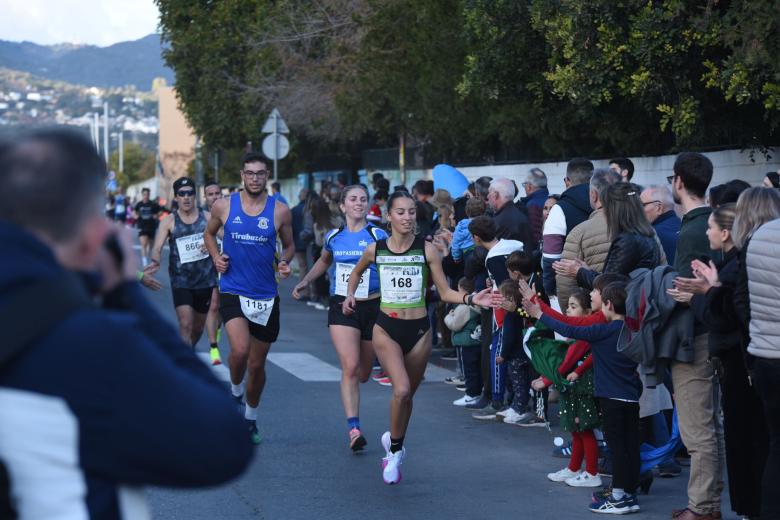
(402, 337)
(351, 334)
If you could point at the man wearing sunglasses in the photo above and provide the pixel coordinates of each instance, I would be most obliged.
(193, 277)
(249, 303)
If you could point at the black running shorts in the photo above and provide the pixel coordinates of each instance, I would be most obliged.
(230, 307)
(147, 231)
(198, 299)
(362, 319)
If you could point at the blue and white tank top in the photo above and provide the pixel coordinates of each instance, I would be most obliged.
(347, 247)
(250, 243)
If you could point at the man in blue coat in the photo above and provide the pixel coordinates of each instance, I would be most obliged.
(98, 394)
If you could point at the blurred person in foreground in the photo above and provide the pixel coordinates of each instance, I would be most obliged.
(98, 394)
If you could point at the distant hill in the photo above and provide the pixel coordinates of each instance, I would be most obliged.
(134, 63)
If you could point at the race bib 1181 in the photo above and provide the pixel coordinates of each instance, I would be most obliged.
(257, 311)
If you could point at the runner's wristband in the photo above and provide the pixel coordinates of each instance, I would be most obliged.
(470, 299)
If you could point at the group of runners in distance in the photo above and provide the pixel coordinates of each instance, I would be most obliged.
(378, 283)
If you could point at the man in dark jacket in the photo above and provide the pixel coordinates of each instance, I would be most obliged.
(99, 398)
(659, 208)
(697, 409)
(572, 209)
(301, 245)
(535, 186)
(510, 222)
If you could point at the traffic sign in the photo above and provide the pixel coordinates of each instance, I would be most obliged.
(275, 123)
(270, 146)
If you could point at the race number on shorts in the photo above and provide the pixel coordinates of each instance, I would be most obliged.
(257, 311)
(191, 248)
(342, 279)
(401, 284)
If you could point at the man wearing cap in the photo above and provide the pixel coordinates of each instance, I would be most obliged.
(193, 277)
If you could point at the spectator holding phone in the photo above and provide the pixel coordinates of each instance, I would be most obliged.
(98, 394)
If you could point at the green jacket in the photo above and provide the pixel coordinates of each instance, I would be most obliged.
(692, 242)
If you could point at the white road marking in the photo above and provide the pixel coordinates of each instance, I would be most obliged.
(305, 366)
(220, 371)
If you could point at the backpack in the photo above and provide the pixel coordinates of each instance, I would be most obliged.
(465, 336)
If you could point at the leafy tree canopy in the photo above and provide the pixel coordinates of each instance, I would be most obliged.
(479, 80)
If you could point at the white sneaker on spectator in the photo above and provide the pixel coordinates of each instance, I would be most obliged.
(562, 475)
(502, 413)
(466, 399)
(512, 417)
(584, 479)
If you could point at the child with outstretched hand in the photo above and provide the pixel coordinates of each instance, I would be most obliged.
(578, 410)
(617, 388)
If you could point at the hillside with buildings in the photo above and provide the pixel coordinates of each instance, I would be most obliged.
(27, 100)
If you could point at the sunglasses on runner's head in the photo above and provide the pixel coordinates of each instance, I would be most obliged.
(185, 193)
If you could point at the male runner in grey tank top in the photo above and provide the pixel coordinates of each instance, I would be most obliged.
(193, 277)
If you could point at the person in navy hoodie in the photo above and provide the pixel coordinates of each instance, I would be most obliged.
(101, 396)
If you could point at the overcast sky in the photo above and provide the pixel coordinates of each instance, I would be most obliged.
(96, 22)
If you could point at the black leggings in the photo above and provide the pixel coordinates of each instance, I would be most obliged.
(404, 332)
(766, 373)
(620, 424)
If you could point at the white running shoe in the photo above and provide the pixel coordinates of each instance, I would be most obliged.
(386, 443)
(584, 479)
(512, 417)
(466, 399)
(502, 413)
(391, 463)
(562, 475)
(391, 467)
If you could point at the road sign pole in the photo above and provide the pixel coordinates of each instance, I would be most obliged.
(276, 144)
(105, 132)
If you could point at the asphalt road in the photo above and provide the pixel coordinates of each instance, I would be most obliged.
(456, 467)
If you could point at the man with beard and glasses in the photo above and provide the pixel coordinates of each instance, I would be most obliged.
(249, 302)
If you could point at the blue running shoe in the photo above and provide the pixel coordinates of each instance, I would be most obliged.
(254, 435)
(613, 506)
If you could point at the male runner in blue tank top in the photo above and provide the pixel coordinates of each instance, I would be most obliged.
(249, 303)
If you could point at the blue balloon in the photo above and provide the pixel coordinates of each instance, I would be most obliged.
(445, 177)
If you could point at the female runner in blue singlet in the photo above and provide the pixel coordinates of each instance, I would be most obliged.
(402, 335)
(351, 334)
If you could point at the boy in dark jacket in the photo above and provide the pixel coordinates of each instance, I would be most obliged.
(617, 388)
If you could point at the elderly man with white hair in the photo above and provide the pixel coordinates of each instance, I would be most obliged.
(535, 186)
(659, 208)
(510, 222)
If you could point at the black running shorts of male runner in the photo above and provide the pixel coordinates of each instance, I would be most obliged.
(198, 299)
(362, 319)
(230, 307)
(147, 231)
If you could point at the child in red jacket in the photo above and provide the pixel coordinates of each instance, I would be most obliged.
(578, 409)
